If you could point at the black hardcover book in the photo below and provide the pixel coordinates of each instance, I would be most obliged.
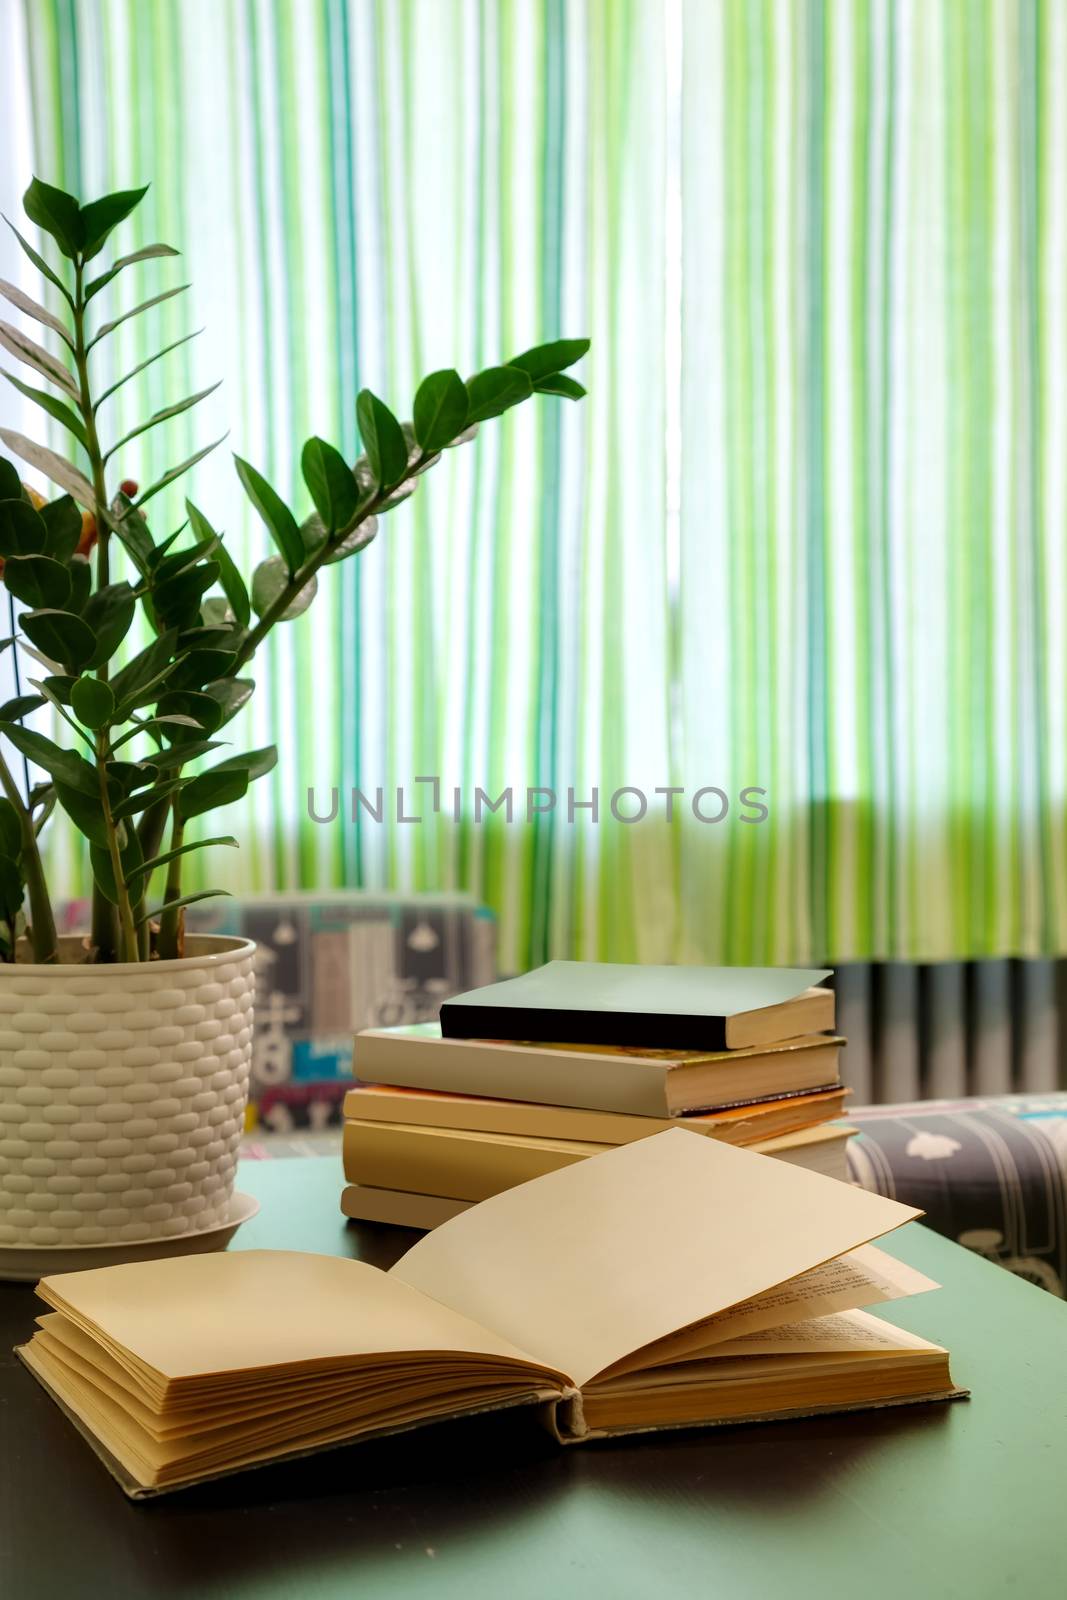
(648, 1008)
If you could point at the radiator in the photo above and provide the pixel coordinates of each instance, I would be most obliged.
(952, 1029)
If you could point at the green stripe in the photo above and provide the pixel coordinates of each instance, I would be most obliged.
(874, 205)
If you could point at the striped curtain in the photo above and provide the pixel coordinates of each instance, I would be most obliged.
(808, 534)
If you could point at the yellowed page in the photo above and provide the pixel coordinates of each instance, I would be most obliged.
(203, 1314)
(596, 1260)
(847, 1332)
(864, 1277)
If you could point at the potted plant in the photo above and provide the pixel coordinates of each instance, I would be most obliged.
(124, 1053)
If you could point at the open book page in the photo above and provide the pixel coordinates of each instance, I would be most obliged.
(601, 1258)
(845, 1332)
(202, 1314)
(863, 1277)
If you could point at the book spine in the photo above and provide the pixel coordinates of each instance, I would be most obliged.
(385, 1157)
(639, 1030)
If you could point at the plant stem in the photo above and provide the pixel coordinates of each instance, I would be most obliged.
(105, 920)
(130, 948)
(172, 923)
(150, 834)
(42, 922)
(303, 575)
(277, 608)
(92, 441)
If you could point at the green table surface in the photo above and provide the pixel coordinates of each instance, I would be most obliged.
(967, 1499)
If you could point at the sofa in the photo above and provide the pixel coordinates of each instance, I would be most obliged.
(989, 1173)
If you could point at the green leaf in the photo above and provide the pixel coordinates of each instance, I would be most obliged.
(440, 412)
(10, 482)
(14, 711)
(143, 671)
(256, 763)
(66, 766)
(211, 634)
(134, 371)
(131, 529)
(85, 811)
(330, 483)
(58, 689)
(38, 581)
(494, 390)
(131, 775)
(12, 889)
(230, 694)
(383, 440)
(158, 726)
(233, 585)
(109, 613)
(61, 636)
(200, 667)
(55, 467)
(147, 867)
(177, 601)
(10, 828)
(360, 537)
(34, 355)
(148, 252)
(162, 416)
(203, 708)
(144, 799)
(545, 360)
(281, 524)
(129, 861)
(179, 561)
(58, 213)
(99, 217)
(63, 528)
(269, 582)
(183, 900)
(61, 704)
(22, 530)
(164, 545)
(80, 583)
(93, 702)
(41, 264)
(176, 472)
(209, 790)
(30, 308)
(146, 305)
(560, 384)
(179, 755)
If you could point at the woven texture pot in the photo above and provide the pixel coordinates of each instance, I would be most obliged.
(122, 1095)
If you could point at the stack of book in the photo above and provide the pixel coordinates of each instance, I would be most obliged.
(447, 1114)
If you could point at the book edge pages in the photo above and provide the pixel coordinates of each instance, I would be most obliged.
(368, 1101)
(138, 1491)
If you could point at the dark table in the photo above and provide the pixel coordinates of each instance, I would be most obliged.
(968, 1499)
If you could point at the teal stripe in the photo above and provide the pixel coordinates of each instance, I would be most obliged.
(870, 610)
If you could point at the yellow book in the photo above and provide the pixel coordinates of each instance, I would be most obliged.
(745, 1124)
(363, 1203)
(400, 1208)
(643, 1083)
(464, 1164)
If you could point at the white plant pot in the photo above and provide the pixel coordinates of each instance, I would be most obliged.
(122, 1095)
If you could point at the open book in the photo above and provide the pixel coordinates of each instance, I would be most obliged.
(671, 1282)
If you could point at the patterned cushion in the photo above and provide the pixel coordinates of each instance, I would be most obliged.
(991, 1174)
